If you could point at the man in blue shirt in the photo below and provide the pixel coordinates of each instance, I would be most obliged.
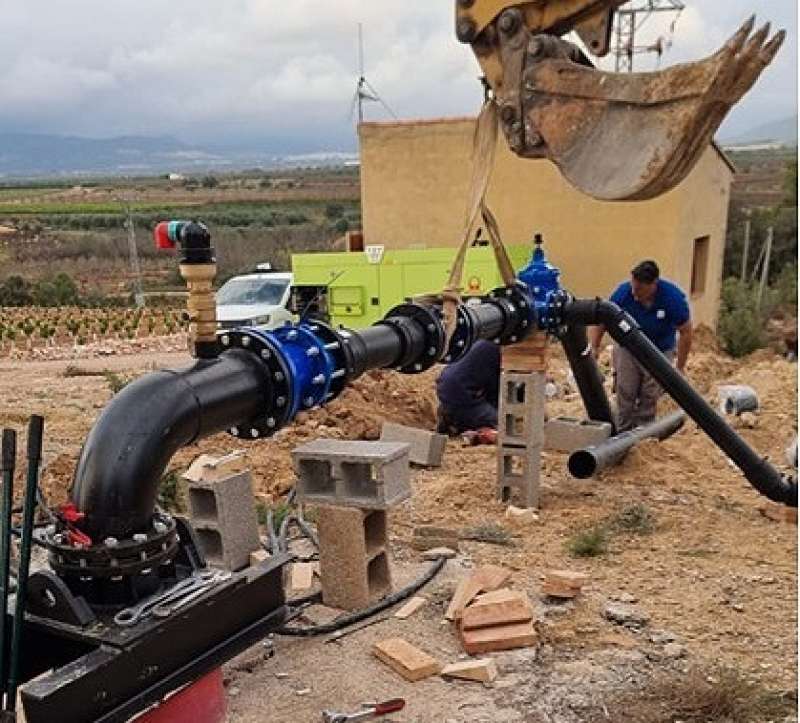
(660, 308)
(468, 390)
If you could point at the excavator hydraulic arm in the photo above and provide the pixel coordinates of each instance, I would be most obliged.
(613, 136)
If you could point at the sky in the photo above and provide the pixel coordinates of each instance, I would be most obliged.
(280, 76)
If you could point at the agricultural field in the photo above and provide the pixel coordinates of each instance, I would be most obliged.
(254, 217)
(25, 329)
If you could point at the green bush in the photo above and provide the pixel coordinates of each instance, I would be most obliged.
(741, 325)
(590, 542)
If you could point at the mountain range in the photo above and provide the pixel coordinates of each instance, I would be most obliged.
(29, 155)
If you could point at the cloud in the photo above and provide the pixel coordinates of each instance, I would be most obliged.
(244, 71)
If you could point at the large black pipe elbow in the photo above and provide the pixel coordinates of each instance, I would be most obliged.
(626, 332)
(130, 445)
(587, 376)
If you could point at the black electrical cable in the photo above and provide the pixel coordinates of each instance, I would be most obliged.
(359, 615)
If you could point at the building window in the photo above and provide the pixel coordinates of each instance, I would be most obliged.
(700, 264)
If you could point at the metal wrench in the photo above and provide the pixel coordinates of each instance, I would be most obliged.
(132, 615)
(165, 609)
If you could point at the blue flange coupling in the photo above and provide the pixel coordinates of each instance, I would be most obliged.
(542, 280)
(303, 372)
(312, 367)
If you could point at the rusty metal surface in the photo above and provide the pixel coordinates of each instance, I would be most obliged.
(636, 136)
(615, 136)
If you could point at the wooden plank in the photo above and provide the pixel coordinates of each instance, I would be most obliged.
(564, 584)
(499, 637)
(484, 579)
(516, 609)
(482, 671)
(414, 604)
(302, 576)
(495, 596)
(405, 659)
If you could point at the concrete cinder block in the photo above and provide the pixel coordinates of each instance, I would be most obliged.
(518, 472)
(366, 475)
(566, 434)
(353, 556)
(521, 438)
(427, 448)
(223, 514)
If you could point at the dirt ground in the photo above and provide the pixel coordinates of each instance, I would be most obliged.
(716, 576)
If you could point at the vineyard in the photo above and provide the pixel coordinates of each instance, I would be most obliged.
(27, 328)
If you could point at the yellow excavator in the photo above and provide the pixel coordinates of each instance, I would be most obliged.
(613, 136)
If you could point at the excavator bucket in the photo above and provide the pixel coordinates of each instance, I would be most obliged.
(638, 135)
(614, 136)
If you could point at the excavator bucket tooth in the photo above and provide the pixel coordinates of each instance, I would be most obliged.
(638, 135)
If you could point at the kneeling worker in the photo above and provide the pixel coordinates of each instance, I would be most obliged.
(660, 308)
(468, 390)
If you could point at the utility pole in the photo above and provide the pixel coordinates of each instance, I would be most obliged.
(630, 19)
(746, 250)
(133, 253)
(762, 287)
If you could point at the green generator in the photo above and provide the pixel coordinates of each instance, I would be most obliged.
(357, 288)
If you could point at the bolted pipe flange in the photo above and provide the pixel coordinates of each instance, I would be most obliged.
(278, 387)
(338, 347)
(112, 558)
(464, 336)
(519, 310)
(417, 358)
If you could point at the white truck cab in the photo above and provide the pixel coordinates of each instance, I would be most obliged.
(257, 299)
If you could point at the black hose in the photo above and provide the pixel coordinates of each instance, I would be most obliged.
(587, 462)
(626, 332)
(359, 615)
(587, 375)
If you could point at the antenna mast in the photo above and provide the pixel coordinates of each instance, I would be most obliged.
(630, 19)
(364, 91)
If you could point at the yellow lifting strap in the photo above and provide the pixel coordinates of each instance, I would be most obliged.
(484, 145)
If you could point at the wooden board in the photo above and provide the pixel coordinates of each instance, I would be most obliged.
(500, 637)
(563, 583)
(482, 671)
(516, 608)
(406, 660)
(484, 579)
(407, 610)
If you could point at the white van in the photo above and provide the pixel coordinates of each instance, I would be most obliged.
(257, 299)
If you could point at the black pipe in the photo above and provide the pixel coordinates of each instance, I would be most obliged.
(125, 454)
(587, 462)
(130, 445)
(587, 375)
(490, 320)
(626, 332)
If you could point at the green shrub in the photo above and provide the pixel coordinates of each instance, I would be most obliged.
(741, 325)
(589, 542)
(636, 518)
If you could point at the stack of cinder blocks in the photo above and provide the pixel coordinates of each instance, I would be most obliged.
(222, 511)
(521, 422)
(354, 484)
